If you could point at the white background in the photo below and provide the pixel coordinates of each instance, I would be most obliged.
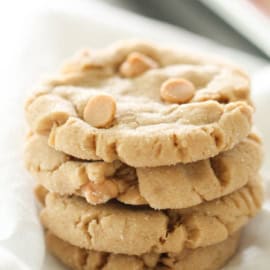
(35, 38)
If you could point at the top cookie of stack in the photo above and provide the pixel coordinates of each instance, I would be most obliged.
(144, 105)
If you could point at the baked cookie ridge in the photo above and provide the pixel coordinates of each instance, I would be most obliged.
(116, 228)
(166, 187)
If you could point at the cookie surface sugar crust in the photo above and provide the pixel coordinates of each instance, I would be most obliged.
(143, 124)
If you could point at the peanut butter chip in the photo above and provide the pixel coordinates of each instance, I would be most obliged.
(137, 63)
(177, 90)
(100, 111)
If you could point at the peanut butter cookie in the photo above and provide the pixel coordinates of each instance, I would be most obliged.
(174, 187)
(144, 105)
(117, 228)
(206, 258)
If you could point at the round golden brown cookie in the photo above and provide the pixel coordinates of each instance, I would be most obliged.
(206, 258)
(160, 106)
(168, 187)
(117, 228)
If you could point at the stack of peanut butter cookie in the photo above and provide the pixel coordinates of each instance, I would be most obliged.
(144, 158)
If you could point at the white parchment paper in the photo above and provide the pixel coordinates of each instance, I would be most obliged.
(43, 36)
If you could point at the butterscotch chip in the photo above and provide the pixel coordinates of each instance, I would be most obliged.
(137, 63)
(132, 196)
(76, 64)
(97, 193)
(40, 193)
(177, 90)
(211, 258)
(100, 111)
